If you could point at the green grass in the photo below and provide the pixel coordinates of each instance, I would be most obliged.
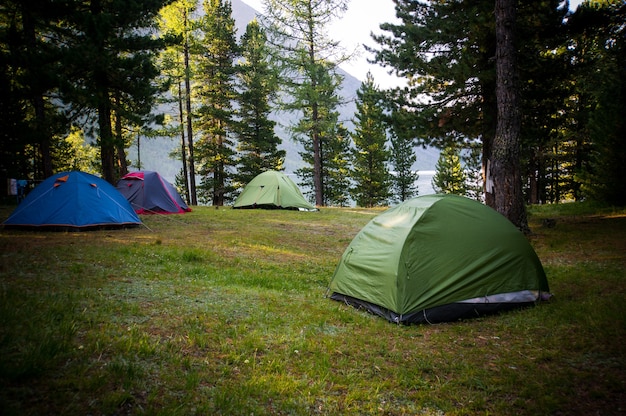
(222, 311)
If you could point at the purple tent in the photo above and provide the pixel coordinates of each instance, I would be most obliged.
(149, 193)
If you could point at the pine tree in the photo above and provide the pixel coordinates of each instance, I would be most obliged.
(258, 144)
(543, 84)
(445, 49)
(336, 167)
(474, 178)
(370, 154)
(449, 176)
(404, 179)
(14, 159)
(175, 24)
(504, 173)
(309, 63)
(215, 80)
(335, 154)
(320, 118)
(31, 127)
(598, 48)
(109, 68)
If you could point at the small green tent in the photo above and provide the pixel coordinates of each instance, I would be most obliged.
(439, 258)
(272, 189)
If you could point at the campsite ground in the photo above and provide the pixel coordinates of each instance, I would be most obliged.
(223, 311)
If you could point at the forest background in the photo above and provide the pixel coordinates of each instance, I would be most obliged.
(59, 89)
(149, 156)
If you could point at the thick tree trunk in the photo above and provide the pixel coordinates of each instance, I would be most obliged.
(41, 130)
(107, 145)
(504, 171)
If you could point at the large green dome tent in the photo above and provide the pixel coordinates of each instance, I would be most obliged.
(272, 190)
(438, 258)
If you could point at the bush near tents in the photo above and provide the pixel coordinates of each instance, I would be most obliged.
(73, 201)
(439, 258)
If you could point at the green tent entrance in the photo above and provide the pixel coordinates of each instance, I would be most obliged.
(438, 258)
(272, 190)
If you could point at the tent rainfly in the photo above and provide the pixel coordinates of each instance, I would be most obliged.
(73, 201)
(272, 190)
(149, 193)
(439, 258)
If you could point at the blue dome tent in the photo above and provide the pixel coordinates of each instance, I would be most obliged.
(73, 201)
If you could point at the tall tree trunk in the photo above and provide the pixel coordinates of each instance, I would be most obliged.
(488, 134)
(41, 130)
(317, 162)
(505, 171)
(103, 98)
(183, 147)
(107, 146)
(122, 164)
(315, 136)
(219, 174)
(138, 151)
(192, 169)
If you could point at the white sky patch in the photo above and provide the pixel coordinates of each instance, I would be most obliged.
(353, 30)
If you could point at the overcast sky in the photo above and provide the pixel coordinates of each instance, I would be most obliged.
(354, 28)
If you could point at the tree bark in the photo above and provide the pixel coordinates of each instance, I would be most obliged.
(315, 136)
(504, 172)
(192, 168)
(41, 129)
(107, 146)
(122, 163)
(183, 146)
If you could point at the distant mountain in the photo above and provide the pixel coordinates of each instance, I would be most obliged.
(155, 153)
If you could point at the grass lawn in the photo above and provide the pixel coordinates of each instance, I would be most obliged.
(222, 311)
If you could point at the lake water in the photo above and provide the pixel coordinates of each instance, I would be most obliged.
(424, 185)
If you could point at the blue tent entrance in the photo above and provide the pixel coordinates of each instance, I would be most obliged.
(73, 201)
